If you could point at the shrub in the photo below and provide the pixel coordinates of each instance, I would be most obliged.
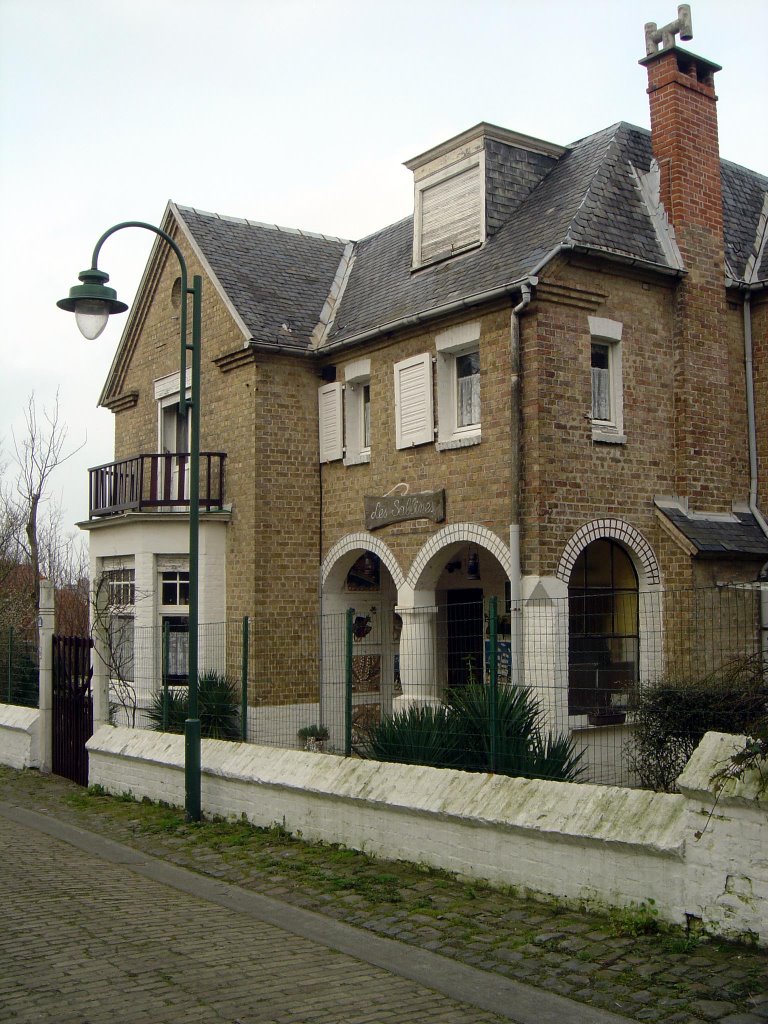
(672, 717)
(458, 735)
(418, 735)
(218, 705)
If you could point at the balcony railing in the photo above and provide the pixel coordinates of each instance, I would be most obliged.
(154, 482)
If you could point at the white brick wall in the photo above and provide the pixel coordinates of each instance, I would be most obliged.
(19, 730)
(603, 844)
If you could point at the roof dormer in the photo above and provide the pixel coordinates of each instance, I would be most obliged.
(465, 188)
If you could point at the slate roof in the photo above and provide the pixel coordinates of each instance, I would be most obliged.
(744, 201)
(741, 538)
(590, 198)
(273, 276)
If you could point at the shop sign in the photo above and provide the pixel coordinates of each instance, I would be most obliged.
(397, 508)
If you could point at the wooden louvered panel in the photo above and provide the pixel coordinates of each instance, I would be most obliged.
(451, 214)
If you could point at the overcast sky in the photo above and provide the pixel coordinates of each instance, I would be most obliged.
(286, 111)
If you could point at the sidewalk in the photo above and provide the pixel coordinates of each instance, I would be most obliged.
(495, 940)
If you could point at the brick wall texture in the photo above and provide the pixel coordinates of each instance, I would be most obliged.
(685, 419)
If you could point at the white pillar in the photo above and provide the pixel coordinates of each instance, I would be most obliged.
(45, 627)
(418, 658)
(101, 659)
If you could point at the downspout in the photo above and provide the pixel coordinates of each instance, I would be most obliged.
(515, 572)
(752, 437)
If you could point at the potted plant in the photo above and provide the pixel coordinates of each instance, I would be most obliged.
(314, 737)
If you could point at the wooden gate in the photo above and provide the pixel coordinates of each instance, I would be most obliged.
(72, 706)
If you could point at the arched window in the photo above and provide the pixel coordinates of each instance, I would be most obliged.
(603, 641)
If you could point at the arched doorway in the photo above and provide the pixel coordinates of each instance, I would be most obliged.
(445, 610)
(603, 631)
(361, 574)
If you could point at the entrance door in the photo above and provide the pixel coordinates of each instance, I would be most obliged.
(174, 439)
(465, 636)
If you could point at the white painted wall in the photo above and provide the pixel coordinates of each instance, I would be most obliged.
(599, 844)
(19, 736)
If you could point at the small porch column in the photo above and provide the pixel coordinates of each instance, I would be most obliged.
(101, 658)
(418, 658)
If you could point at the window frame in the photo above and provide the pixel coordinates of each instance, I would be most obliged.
(451, 344)
(589, 601)
(174, 612)
(607, 334)
(357, 381)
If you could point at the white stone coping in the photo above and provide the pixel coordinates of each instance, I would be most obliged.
(20, 719)
(711, 755)
(580, 812)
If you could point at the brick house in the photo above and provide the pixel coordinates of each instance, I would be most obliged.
(548, 385)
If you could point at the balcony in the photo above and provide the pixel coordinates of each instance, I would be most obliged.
(154, 483)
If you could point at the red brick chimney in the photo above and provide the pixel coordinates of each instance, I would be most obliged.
(681, 88)
(685, 145)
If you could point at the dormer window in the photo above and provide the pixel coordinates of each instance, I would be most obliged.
(468, 187)
(449, 211)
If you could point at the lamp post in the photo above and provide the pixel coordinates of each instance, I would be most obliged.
(92, 302)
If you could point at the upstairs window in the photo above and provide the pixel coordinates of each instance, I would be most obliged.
(357, 412)
(607, 384)
(468, 390)
(458, 385)
(449, 211)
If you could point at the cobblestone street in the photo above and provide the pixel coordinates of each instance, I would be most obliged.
(96, 932)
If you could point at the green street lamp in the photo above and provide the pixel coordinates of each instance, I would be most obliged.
(92, 302)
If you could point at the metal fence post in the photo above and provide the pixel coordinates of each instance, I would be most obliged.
(348, 684)
(166, 655)
(244, 679)
(493, 688)
(10, 664)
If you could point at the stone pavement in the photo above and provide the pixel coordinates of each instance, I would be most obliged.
(421, 946)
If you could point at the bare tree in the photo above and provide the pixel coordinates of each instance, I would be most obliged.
(38, 454)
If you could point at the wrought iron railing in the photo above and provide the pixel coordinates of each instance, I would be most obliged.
(154, 482)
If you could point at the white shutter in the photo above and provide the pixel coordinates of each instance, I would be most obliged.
(414, 422)
(330, 422)
(451, 218)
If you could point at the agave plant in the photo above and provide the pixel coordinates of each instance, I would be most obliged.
(218, 704)
(418, 735)
(478, 729)
(513, 717)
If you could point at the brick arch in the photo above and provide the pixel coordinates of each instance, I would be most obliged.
(362, 542)
(615, 529)
(458, 533)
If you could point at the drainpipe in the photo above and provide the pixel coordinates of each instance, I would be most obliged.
(515, 573)
(752, 436)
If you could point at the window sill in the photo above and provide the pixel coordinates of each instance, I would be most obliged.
(459, 442)
(358, 460)
(602, 436)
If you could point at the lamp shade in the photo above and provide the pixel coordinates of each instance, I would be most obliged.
(92, 302)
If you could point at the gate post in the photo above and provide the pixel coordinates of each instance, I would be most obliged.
(45, 626)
